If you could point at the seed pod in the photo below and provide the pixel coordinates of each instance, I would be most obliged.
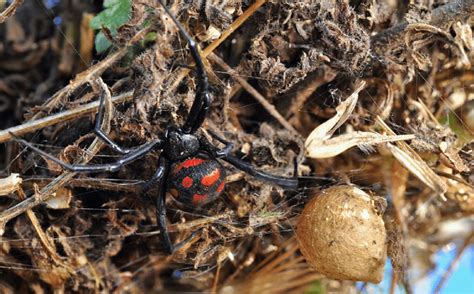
(342, 235)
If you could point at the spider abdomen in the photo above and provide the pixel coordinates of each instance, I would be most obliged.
(197, 180)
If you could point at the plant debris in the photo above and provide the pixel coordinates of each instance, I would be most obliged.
(300, 81)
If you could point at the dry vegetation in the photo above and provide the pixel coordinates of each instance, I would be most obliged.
(278, 70)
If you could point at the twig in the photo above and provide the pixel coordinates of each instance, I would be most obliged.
(50, 120)
(454, 263)
(216, 278)
(191, 224)
(414, 163)
(449, 12)
(11, 9)
(199, 222)
(233, 26)
(48, 191)
(44, 239)
(393, 282)
(454, 178)
(259, 97)
(88, 183)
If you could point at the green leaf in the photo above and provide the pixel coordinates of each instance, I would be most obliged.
(457, 126)
(150, 37)
(101, 42)
(316, 288)
(115, 14)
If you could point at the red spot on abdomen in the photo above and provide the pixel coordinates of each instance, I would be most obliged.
(197, 198)
(187, 182)
(221, 187)
(211, 178)
(189, 163)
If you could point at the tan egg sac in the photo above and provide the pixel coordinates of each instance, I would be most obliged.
(342, 235)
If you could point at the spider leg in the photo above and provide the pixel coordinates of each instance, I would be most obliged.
(156, 178)
(224, 154)
(228, 145)
(83, 168)
(216, 152)
(101, 134)
(160, 175)
(287, 183)
(201, 103)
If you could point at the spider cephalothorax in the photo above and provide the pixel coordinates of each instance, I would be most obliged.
(179, 145)
(188, 165)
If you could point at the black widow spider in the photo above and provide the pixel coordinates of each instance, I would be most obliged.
(187, 159)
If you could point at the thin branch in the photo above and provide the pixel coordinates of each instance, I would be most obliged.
(452, 11)
(11, 9)
(259, 97)
(234, 26)
(88, 183)
(34, 125)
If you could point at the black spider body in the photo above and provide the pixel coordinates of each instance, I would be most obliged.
(178, 145)
(188, 162)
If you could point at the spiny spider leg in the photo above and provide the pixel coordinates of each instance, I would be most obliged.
(101, 134)
(228, 145)
(224, 154)
(202, 100)
(287, 183)
(160, 176)
(157, 176)
(84, 168)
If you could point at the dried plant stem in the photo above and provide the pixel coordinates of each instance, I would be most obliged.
(413, 162)
(454, 263)
(34, 125)
(44, 239)
(216, 278)
(191, 224)
(199, 222)
(275, 258)
(48, 191)
(393, 282)
(209, 49)
(449, 12)
(87, 183)
(233, 26)
(259, 97)
(11, 9)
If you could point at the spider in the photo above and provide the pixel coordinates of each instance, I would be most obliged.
(188, 162)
